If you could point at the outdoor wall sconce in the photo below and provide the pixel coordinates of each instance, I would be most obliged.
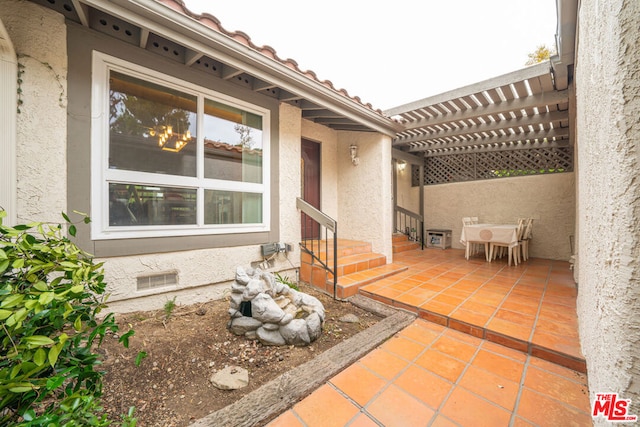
(353, 149)
(402, 165)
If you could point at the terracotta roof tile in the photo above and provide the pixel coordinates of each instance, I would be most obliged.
(269, 52)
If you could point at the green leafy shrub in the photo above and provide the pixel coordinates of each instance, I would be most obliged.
(50, 295)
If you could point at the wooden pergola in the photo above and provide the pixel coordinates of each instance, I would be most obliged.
(521, 110)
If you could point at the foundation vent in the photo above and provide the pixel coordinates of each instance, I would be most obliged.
(157, 281)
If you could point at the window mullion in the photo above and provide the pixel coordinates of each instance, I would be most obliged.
(116, 175)
(200, 160)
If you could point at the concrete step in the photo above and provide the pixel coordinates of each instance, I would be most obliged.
(405, 246)
(349, 284)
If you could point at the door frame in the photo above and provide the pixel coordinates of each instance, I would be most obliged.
(313, 148)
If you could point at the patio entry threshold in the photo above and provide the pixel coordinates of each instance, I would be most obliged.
(490, 348)
(530, 307)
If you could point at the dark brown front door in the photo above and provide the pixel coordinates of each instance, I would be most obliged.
(310, 167)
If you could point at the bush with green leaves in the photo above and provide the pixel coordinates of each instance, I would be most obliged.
(51, 293)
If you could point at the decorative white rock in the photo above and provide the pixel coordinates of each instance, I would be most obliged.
(265, 309)
(270, 337)
(241, 325)
(275, 310)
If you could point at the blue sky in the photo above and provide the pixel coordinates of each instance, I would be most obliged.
(393, 53)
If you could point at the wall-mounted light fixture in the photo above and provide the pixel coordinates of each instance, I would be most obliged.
(401, 165)
(353, 149)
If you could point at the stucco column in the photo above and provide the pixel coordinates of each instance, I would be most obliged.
(608, 107)
(365, 190)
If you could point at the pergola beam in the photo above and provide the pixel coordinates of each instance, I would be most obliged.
(539, 100)
(530, 72)
(412, 159)
(524, 121)
(527, 145)
(540, 135)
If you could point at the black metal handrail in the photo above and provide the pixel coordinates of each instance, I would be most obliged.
(313, 244)
(410, 224)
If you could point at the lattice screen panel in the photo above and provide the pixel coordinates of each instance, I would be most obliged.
(490, 165)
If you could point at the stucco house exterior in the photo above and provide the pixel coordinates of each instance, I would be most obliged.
(188, 145)
(104, 82)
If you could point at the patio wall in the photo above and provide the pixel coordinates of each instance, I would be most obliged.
(549, 199)
(608, 107)
(408, 196)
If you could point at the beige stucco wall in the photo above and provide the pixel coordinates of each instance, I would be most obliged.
(358, 197)
(608, 108)
(408, 196)
(39, 39)
(289, 177)
(364, 191)
(549, 199)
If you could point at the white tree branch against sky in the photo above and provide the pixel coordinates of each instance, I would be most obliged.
(394, 52)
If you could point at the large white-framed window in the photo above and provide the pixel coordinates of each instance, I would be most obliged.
(170, 158)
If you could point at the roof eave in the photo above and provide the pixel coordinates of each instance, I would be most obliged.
(169, 23)
(567, 11)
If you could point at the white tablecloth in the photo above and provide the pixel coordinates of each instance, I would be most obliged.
(490, 233)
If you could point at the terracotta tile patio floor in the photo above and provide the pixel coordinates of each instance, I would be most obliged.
(493, 346)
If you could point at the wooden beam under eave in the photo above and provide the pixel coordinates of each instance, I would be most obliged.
(83, 12)
(259, 85)
(308, 105)
(354, 128)
(314, 114)
(285, 96)
(190, 57)
(539, 100)
(334, 121)
(229, 72)
(144, 38)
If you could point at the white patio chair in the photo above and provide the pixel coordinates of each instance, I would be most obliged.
(471, 247)
(513, 252)
(527, 234)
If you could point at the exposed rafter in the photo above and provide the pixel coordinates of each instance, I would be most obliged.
(518, 110)
(163, 28)
(500, 125)
(538, 135)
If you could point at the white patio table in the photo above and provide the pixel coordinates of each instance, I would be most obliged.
(505, 234)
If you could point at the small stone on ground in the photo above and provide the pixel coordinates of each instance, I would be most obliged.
(349, 318)
(231, 378)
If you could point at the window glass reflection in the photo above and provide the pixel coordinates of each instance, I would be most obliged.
(133, 205)
(228, 207)
(232, 143)
(151, 128)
